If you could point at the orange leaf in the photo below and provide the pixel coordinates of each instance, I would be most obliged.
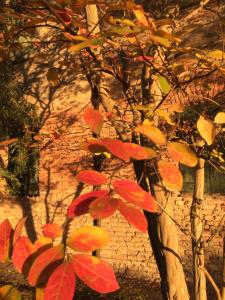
(43, 241)
(182, 153)
(171, 175)
(42, 261)
(6, 232)
(80, 205)
(103, 207)
(88, 238)
(21, 251)
(61, 283)
(91, 177)
(94, 120)
(52, 230)
(138, 152)
(133, 216)
(95, 273)
(116, 147)
(153, 133)
(133, 193)
(8, 142)
(39, 294)
(18, 229)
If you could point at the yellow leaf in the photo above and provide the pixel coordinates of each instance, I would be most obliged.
(216, 54)
(153, 133)
(39, 294)
(139, 14)
(206, 129)
(88, 238)
(171, 175)
(220, 118)
(182, 153)
(9, 292)
(160, 41)
(165, 115)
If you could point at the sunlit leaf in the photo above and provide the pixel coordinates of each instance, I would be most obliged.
(164, 85)
(160, 41)
(206, 129)
(9, 292)
(153, 133)
(39, 294)
(133, 215)
(21, 251)
(138, 152)
(103, 207)
(88, 238)
(43, 241)
(139, 14)
(88, 43)
(42, 261)
(18, 229)
(95, 273)
(61, 283)
(182, 153)
(116, 147)
(171, 175)
(8, 142)
(216, 54)
(133, 193)
(80, 205)
(220, 118)
(165, 115)
(6, 232)
(52, 230)
(93, 119)
(91, 177)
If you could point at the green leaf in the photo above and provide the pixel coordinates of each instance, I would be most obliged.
(164, 85)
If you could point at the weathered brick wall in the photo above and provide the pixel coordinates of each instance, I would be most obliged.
(60, 158)
(129, 251)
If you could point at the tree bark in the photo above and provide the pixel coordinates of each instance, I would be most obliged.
(196, 228)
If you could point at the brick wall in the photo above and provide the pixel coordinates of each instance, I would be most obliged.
(60, 159)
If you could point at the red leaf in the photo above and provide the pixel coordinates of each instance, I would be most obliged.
(171, 175)
(61, 283)
(138, 152)
(95, 273)
(88, 238)
(133, 193)
(133, 216)
(18, 229)
(42, 261)
(80, 205)
(52, 230)
(94, 120)
(144, 58)
(116, 147)
(6, 232)
(103, 207)
(21, 251)
(91, 177)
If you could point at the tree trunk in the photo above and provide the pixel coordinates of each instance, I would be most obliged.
(196, 228)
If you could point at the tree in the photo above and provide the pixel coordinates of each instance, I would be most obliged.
(122, 41)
